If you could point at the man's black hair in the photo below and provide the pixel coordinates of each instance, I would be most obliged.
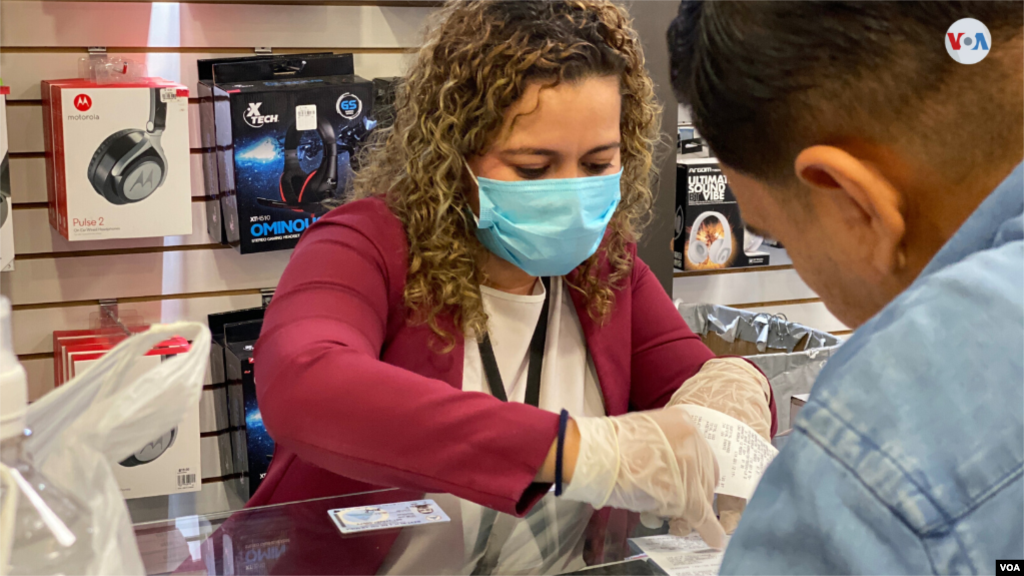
(764, 80)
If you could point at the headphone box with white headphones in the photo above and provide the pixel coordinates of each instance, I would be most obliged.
(117, 158)
(287, 131)
(6, 217)
(709, 231)
(168, 464)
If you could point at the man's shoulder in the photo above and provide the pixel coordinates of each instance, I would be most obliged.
(924, 403)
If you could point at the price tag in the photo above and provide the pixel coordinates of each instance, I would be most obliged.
(168, 94)
(305, 117)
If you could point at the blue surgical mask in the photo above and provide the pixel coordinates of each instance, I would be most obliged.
(546, 227)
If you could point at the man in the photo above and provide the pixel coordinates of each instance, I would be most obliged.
(891, 171)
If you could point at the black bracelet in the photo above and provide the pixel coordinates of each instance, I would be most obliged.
(563, 421)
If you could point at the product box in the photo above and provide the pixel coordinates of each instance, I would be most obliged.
(255, 449)
(170, 464)
(285, 146)
(117, 158)
(709, 232)
(208, 136)
(6, 216)
(384, 100)
(690, 144)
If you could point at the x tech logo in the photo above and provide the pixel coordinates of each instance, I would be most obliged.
(968, 41)
(253, 117)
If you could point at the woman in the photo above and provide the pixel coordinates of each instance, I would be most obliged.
(492, 255)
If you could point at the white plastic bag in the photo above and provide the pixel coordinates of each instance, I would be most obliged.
(100, 417)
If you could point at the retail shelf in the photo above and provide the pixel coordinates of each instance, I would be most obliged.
(682, 274)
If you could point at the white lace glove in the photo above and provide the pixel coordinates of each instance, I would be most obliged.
(734, 387)
(654, 461)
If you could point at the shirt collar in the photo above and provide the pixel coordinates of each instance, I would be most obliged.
(988, 224)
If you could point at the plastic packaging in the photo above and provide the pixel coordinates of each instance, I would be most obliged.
(74, 434)
(104, 69)
(43, 529)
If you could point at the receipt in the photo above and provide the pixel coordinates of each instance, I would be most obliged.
(681, 556)
(741, 453)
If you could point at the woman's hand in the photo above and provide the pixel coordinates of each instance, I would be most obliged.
(654, 461)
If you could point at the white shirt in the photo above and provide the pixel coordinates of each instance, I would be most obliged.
(568, 380)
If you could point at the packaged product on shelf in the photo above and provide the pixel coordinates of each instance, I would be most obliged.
(168, 464)
(690, 144)
(117, 158)
(218, 322)
(709, 232)
(6, 217)
(208, 136)
(253, 448)
(285, 145)
(384, 100)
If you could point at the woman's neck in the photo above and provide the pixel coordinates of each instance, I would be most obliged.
(507, 277)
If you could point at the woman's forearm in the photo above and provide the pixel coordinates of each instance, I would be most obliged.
(571, 450)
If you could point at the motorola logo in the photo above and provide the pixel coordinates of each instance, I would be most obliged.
(142, 181)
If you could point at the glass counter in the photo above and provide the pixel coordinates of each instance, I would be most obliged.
(302, 538)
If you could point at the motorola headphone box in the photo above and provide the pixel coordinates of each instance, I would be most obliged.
(709, 232)
(170, 464)
(254, 449)
(117, 158)
(6, 218)
(286, 147)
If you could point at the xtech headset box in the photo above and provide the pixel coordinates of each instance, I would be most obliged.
(285, 145)
(117, 158)
(709, 232)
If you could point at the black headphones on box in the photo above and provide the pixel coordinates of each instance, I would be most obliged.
(130, 164)
(313, 192)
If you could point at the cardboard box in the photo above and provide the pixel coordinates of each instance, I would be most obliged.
(709, 232)
(284, 146)
(6, 205)
(255, 449)
(117, 158)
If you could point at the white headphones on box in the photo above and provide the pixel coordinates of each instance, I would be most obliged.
(720, 249)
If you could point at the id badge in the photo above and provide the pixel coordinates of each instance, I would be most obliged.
(385, 516)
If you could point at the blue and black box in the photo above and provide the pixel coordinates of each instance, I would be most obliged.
(285, 131)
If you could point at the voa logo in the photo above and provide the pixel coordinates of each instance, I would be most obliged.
(968, 41)
(254, 118)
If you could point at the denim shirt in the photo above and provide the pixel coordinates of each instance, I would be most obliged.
(908, 457)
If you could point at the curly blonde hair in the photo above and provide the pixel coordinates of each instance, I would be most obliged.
(475, 63)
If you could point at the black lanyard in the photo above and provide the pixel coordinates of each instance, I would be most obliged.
(540, 336)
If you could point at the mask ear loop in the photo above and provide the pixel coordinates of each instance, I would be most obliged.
(467, 208)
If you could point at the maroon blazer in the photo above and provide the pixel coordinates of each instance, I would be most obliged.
(356, 398)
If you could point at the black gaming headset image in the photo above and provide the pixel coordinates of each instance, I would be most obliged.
(317, 191)
(130, 164)
(303, 191)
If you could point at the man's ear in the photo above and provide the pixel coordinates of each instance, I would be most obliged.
(866, 195)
